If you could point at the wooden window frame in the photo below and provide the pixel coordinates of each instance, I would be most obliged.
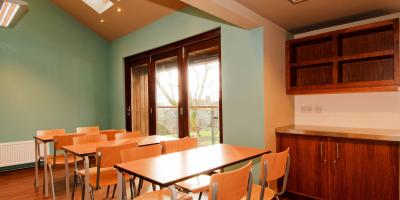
(181, 49)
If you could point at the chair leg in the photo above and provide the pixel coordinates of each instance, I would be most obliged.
(115, 187)
(82, 187)
(140, 186)
(131, 187)
(52, 181)
(108, 190)
(74, 186)
(201, 193)
(91, 194)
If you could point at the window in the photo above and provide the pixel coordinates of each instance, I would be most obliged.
(175, 90)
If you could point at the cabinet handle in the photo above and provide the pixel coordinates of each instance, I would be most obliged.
(321, 149)
(337, 150)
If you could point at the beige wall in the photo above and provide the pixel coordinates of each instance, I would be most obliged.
(365, 110)
(279, 107)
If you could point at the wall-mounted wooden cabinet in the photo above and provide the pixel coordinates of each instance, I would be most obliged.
(358, 59)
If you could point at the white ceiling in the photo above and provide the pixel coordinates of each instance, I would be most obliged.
(313, 14)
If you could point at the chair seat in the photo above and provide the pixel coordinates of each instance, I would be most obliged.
(108, 176)
(195, 184)
(60, 160)
(164, 194)
(256, 190)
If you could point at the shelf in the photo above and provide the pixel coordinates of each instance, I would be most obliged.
(365, 56)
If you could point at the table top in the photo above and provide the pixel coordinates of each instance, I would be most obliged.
(90, 148)
(171, 168)
(44, 138)
(342, 132)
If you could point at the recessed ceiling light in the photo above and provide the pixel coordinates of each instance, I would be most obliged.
(101, 20)
(119, 9)
(99, 5)
(296, 1)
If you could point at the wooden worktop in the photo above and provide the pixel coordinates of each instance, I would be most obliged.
(342, 132)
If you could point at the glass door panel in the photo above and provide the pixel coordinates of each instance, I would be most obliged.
(140, 99)
(167, 97)
(204, 95)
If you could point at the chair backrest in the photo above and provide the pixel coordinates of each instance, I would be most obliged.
(133, 154)
(127, 135)
(89, 139)
(64, 140)
(231, 185)
(108, 156)
(110, 133)
(88, 130)
(179, 145)
(53, 132)
(275, 166)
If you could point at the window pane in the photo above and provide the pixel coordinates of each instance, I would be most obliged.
(167, 97)
(203, 80)
(140, 99)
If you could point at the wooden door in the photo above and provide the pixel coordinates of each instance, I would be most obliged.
(308, 174)
(365, 169)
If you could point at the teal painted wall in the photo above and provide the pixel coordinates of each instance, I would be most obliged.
(242, 70)
(53, 74)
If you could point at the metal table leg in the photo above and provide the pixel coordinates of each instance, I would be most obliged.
(173, 192)
(36, 165)
(46, 186)
(87, 178)
(66, 175)
(121, 191)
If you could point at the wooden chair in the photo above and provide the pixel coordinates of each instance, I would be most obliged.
(183, 144)
(146, 152)
(92, 130)
(273, 167)
(133, 154)
(197, 184)
(85, 139)
(127, 135)
(111, 133)
(104, 174)
(231, 185)
(59, 159)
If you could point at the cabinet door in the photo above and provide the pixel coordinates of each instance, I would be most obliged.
(308, 174)
(365, 169)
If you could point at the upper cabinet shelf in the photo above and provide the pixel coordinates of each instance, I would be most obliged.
(358, 59)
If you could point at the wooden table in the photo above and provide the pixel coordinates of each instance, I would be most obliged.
(166, 170)
(86, 150)
(44, 140)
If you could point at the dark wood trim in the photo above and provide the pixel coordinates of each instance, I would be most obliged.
(176, 45)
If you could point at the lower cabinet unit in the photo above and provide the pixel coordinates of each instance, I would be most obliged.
(341, 168)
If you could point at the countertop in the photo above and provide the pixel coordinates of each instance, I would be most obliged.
(342, 132)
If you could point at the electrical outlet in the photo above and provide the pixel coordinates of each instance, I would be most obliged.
(318, 109)
(306, 109)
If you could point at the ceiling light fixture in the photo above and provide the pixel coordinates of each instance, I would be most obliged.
(119, 10)
(101, 20)
(99, 5)
(11, 11)
(296, 1)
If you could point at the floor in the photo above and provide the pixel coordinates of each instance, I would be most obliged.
(18, 185)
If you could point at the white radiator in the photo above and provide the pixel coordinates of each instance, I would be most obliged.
(16, 153)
